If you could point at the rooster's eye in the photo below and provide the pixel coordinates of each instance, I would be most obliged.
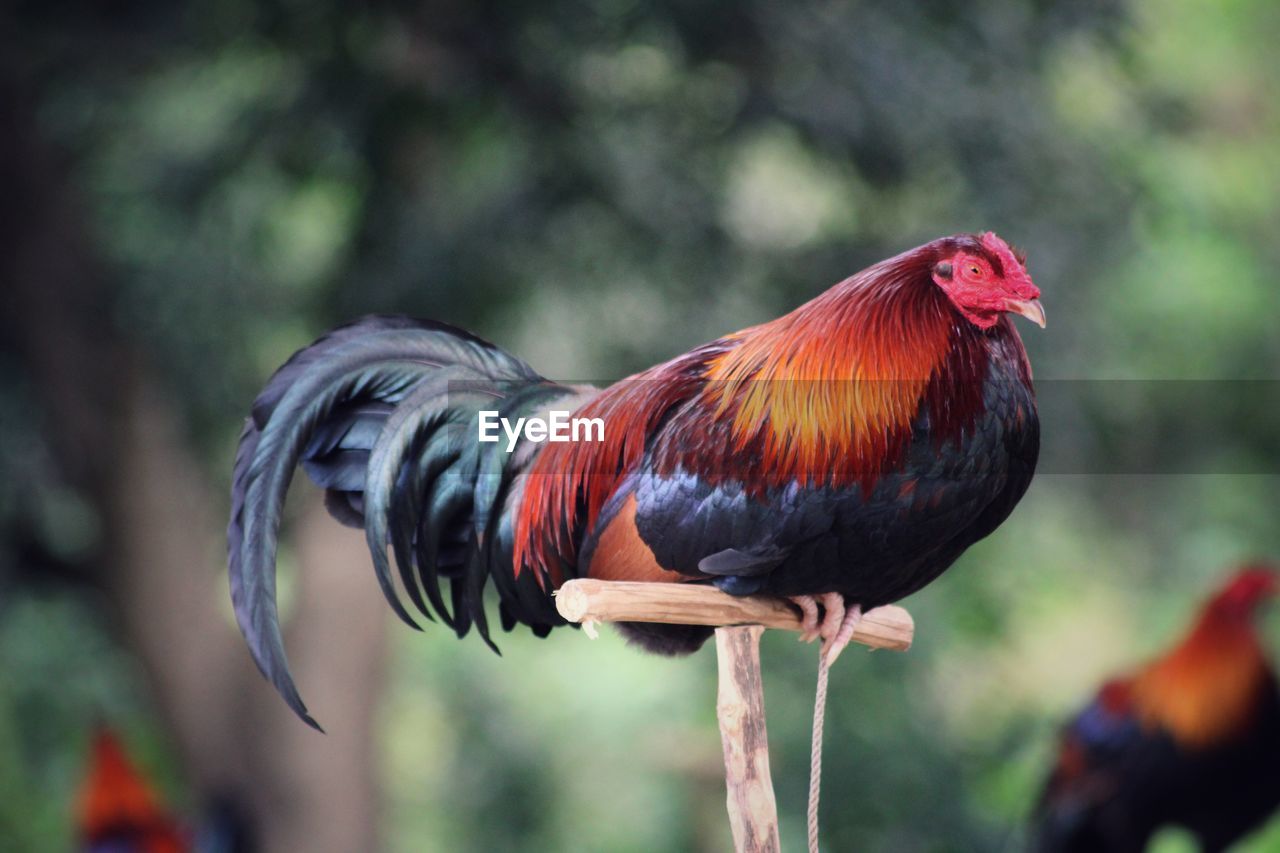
(974, 270)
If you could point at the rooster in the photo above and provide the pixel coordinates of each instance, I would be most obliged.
(841, 456)
(1190, 740)
(118, 812)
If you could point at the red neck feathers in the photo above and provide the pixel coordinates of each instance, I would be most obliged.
(1207, 689)
(828, 393)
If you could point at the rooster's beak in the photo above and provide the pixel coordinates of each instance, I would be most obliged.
(1029, 308)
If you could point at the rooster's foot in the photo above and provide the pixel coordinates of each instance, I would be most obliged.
(836, 625)
(810, 628)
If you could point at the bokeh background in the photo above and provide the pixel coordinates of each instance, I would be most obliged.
(192, 190)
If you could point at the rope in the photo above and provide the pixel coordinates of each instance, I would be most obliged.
(815, 752)
(826, 658)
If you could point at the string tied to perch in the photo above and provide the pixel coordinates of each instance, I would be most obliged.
(826, 657)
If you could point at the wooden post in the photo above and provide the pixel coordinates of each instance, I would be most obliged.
(753, 813)
(739, 621)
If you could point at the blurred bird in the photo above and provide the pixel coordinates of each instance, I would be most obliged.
(118, 811)
(1191, 740)
(842, 456)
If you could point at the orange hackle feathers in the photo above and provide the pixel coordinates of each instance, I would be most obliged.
(835, 384)
(116, 802)
(1208, 688)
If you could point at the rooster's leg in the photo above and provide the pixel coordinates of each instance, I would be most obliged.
(809, 627)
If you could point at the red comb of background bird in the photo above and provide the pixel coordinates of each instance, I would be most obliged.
(118, 808)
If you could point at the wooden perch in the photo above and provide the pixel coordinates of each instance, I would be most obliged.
(739, 623)
(587, 601)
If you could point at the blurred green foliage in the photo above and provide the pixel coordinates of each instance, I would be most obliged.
(600, 185)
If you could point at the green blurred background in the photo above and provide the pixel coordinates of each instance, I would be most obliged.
(196, 189)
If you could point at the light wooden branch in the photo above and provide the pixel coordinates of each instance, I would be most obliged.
(588, 601)
(753, 813)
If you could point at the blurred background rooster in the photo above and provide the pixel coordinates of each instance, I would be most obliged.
(845, 453)
(1191, 740)
(119, 810)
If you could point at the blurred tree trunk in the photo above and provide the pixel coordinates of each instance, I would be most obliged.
(161, 558)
